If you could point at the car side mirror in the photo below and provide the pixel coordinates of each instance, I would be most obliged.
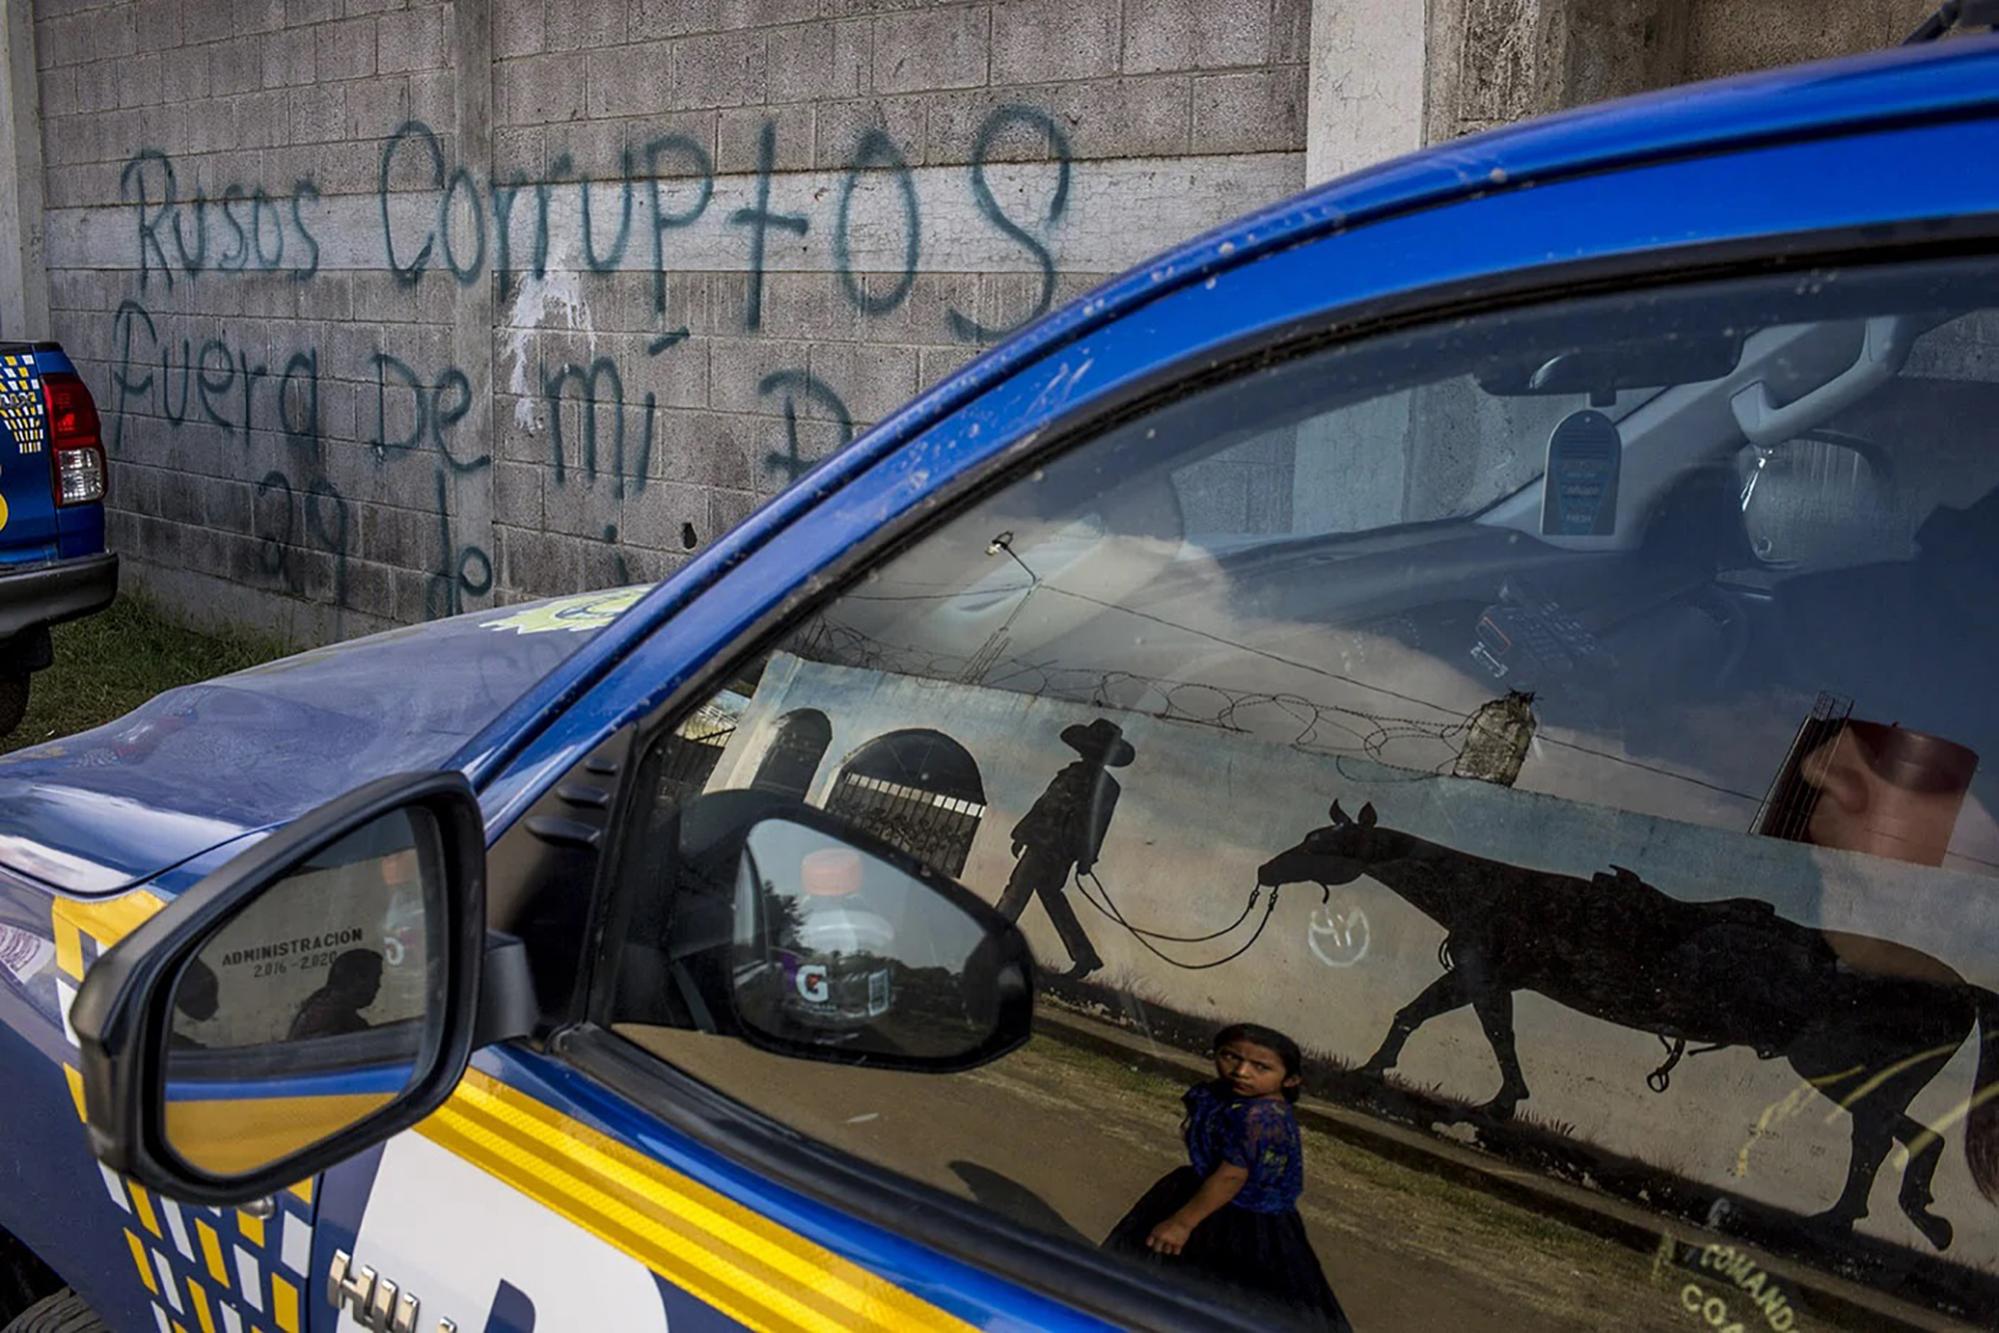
(846, 950)
(313, 996)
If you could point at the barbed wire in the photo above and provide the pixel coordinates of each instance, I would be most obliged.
(1333, 730)
(1424, 748)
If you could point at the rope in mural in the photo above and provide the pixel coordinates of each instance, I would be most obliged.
(1109, 908)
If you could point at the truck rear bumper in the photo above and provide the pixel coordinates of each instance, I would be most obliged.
(50, 594)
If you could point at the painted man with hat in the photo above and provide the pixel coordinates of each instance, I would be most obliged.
(1066, 829)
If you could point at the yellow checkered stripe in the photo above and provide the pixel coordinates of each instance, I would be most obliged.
(21, 401)
(750, 1268)
(215, 1270)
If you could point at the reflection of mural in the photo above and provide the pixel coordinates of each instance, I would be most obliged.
(918, 790)
(792, 760)
(1065, 829)
(1183, 850)
(1727, 973)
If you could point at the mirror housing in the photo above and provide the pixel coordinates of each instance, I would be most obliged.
(126, 1026)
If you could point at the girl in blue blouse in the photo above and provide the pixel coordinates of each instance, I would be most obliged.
(1232, 1216)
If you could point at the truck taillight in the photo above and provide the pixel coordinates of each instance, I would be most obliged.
(76, 441)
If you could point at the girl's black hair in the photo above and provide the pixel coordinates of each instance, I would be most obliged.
(1271, 1039)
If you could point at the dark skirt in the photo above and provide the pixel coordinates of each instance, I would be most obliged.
(1264, 1254)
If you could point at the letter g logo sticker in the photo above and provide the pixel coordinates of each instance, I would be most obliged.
(812, 982)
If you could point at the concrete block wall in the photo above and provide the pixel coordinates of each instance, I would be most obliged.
(398, 308)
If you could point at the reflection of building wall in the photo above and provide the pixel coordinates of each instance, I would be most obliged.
(1201, 810)
(270, 959)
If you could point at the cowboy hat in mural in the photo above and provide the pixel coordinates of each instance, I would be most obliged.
(1064, 832)
(1103, 741)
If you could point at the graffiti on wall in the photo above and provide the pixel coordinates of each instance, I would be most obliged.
(437, 221)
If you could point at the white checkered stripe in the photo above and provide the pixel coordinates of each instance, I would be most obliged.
(204, 1270)
(21, 401)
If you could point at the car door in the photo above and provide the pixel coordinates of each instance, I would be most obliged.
(1552, 700)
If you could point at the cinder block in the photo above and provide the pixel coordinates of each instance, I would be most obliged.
(541, 564)
(1196, 34)
(727, 509)
(1260, 111)
(839, 127)
(1291, 32)
(1039, 41)
(872, 379)
(673, 18)
(259, 15)
(291, 58)
(767, 13)
(739, 133)
(237, 65)
(375, 108)
(156, 27)
(586, 26)
(719, 69)
(517, 489)
(540, 90)
(412, 40)
(261, 122)
(434, 98)
(782, 452)
(737, 366)
(705, 448)
(59, 95)
(594, 149)
(935, 364)
(518, 154)
(302, 13)
(658, 516)
(814, 305)
(814, 61)
(370, 589)
(98, 85)
(631, 80)
(927, 49)
(584, 504)
(1097, 118)
(677, 375)
(519, 28)
(318, 113)
(185, 74)
(346, 50)
(138, 81)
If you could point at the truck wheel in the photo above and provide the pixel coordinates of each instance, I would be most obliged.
(63, 1312)
(13, 701)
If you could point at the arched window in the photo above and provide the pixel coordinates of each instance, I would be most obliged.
(794, 753)
(918, 790)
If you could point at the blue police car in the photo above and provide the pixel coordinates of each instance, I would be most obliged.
(53, 565)
(1420, 761)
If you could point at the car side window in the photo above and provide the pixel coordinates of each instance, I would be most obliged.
(1539, 745)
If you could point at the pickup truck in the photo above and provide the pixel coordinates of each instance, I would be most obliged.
(1416, 761)
(53, 565)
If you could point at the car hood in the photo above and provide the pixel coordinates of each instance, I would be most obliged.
(199, 765)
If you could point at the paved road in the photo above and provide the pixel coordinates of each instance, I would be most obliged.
(1064, 1141)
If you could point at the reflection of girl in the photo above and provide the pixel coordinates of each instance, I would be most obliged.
(1232, 1216)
